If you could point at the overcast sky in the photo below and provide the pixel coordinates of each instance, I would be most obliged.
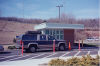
(45, 9)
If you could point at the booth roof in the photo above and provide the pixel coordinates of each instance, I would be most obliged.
(58, 26)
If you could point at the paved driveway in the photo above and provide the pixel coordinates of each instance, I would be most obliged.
(13, 55)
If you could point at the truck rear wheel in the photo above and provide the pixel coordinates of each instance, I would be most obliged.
(32, 49)
(62, 47)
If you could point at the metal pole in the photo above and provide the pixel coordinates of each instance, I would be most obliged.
(59, 6)
(59, 13)
(23, 10)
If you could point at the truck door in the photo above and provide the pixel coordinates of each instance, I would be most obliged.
(50, 41)
(43, 43)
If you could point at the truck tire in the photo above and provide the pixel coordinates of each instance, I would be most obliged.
(32, 49)
(62, 47)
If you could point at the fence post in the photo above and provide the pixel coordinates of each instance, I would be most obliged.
(22, 49)
(53, 45)
(79, 45)
(82, 43)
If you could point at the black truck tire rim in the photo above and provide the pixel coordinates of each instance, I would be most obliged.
(61, 48)
(32, 49)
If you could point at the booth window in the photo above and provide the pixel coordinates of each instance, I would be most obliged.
(57, 33)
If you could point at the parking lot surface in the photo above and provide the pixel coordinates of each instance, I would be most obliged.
(14, 55)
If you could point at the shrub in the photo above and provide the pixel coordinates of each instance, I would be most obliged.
(87, 61)
(11, 47)
(57, 62)
(74, 61)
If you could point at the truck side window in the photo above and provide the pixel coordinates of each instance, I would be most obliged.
(30, 37)
(51, 38)
(42, 37)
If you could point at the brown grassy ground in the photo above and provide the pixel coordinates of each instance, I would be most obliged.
(8, 30)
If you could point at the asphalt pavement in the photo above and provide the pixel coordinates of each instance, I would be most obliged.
(15, 55)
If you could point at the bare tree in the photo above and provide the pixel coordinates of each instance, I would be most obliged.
(64, 18)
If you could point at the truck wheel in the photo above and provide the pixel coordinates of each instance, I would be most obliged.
(32, 49)
(62, 47)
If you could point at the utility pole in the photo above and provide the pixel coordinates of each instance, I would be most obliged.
(23, 10)
(59, 6)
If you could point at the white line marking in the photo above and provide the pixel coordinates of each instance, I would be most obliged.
(36, 56)
(77, 53)
(64, 54)
(2, 56)
(88, 52)
(9, 57)
(50, 55)
(99, 52)
(18, 57)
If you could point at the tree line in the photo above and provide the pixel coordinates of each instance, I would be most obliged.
(67, 19)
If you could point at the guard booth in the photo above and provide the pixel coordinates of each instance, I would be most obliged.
(59, 31)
